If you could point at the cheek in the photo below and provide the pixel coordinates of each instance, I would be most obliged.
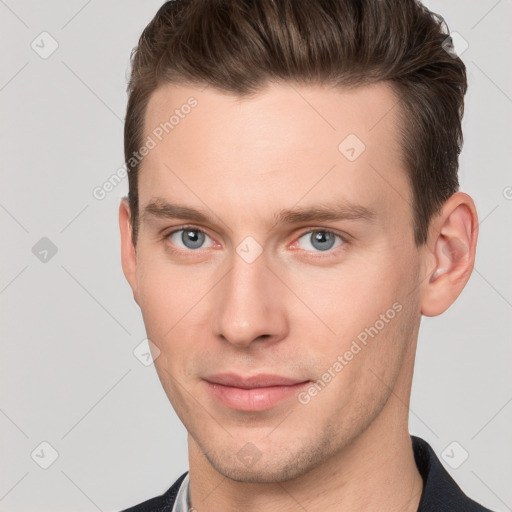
(167, 292)
(350, 297)
(366, 317)
(175, 304)
(359, 377)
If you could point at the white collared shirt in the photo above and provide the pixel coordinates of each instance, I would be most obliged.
(182, 503)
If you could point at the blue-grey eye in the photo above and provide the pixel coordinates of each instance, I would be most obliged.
(320, 240)
(188, 238)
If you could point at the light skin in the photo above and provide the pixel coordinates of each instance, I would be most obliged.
(299, 305)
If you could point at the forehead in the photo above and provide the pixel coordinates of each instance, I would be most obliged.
(369, 111)
(287, 143)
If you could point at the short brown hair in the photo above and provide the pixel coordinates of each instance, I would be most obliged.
(240, 45)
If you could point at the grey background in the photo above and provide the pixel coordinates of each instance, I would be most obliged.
(69, 324)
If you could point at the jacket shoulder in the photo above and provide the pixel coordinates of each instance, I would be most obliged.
(163, 503)
(440, 492)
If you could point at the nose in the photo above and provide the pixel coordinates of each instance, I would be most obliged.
(250, 304)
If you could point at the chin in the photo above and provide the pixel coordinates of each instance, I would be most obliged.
(276, 473)
(271, 465)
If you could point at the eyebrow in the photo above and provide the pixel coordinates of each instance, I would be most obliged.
(162, 209)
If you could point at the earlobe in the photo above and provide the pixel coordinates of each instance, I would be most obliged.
(452, 245)
(128, 254)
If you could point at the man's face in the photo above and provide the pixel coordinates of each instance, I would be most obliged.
(251, 289)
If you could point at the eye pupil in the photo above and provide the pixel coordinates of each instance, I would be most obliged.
(192, 238)
(322, 240)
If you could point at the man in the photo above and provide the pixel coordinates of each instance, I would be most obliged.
(293, 211)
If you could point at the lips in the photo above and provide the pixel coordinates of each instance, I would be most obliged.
(253, 381)
(252, 393)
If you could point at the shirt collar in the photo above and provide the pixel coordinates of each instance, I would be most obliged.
(182, 503)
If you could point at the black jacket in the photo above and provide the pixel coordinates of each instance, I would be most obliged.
(440, 492)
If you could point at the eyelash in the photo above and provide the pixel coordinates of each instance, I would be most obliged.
(344, 239)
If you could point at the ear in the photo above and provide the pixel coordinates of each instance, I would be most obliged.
(451, 246)
(128, 254)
